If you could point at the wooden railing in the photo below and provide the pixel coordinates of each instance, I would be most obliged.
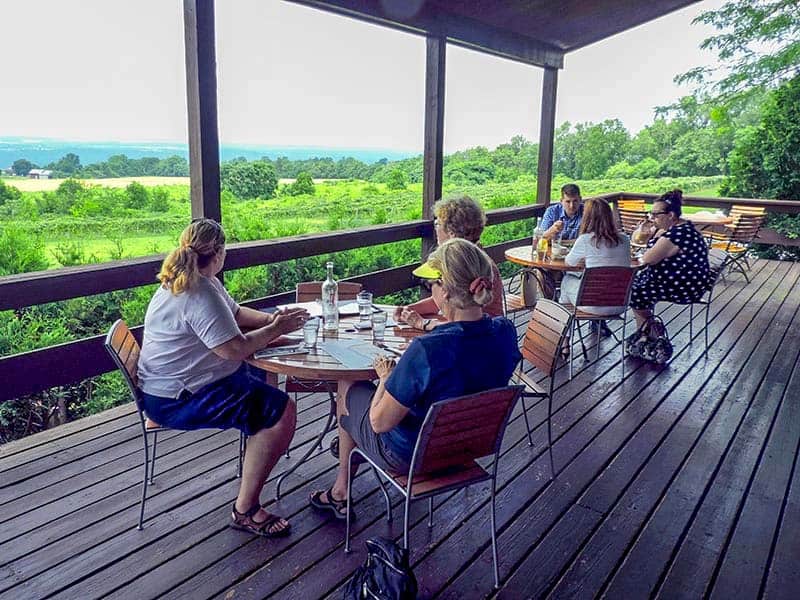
(39, 370)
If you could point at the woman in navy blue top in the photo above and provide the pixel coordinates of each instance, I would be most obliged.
(677, 259)
(470, 353)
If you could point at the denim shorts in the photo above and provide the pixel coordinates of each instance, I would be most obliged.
(357, 424)
(242, 401)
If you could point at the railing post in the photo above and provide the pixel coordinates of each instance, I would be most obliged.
(546, 135)
(434, 133)
(201, 97)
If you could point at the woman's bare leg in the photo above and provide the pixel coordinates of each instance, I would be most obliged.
(346, 443)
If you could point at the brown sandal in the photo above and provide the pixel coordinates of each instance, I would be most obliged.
(337, 507)
(266, 528)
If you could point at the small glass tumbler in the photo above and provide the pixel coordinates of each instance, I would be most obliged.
(364, 301)
(378, 326)
(310, 332)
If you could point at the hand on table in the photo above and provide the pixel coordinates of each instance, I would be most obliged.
(383, 366)
(412, 317)
(290, 319)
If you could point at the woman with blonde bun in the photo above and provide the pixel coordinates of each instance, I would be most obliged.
(469, 353)
(191, 369)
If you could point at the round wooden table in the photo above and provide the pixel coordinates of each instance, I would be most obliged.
(523, 255)
(707, 219)
(318, 364)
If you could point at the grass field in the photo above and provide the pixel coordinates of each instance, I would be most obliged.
(25, 184)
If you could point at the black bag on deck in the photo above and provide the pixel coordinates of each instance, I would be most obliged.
(650, 342)
(385, 575)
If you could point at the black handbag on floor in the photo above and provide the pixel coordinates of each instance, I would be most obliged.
(650, 342)
(385, 575)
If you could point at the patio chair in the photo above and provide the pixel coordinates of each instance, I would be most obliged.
(309, 291)
(716, 263)
(544, 339)
(631, 212)
(455, 433)
(738, 237)
(602, 287)
(124, 350)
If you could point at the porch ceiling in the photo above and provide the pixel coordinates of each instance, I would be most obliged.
(534, 31)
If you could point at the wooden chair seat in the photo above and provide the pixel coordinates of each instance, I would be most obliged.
(425, 484)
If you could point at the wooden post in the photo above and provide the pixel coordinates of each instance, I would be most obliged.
(434, 133)
(546, 134)
(201, 96)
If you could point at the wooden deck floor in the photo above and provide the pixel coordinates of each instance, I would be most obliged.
(678, 482)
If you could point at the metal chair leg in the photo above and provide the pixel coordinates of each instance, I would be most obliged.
(153, 462)
(242, 450)
(569, 345)
(430, 512)
(550, 430)
(527, 423)
(622, 343)
(494, 542)
(406, 510)
(597, 354)
(144, 485)
(705, 331)
(349, 499)
(385, 494)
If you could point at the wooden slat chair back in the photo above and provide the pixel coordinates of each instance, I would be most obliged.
(455, 433)
(546, 336)
(308, 291)
(602, 287)
(631, 213)
(739, 235)
(124, 351)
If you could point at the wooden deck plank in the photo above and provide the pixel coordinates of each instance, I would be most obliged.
(592, 452)
(650, 465)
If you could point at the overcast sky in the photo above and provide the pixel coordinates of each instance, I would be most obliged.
(290, 75)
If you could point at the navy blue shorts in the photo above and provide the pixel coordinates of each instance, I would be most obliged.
(242, 401)
(357, 424)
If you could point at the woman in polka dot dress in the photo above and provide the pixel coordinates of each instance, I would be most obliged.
(677, 256)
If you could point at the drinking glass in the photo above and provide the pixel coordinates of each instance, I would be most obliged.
(364, 300)
(378, 326)
(310, 332)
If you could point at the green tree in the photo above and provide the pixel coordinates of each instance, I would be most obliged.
(23, 166)
(137, 196)
(758, 45)
(8, 193)
(67, 165)
(302, 185)
(245, 180)
(396, 180)
(765, 161)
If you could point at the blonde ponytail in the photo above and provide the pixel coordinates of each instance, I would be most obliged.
(199, 243)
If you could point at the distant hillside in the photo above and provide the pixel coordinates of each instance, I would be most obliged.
(45, 151)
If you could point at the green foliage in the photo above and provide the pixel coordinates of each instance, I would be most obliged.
(757, 45)
(8, 193)
(247, 180)
(765, 160)
(23, 166)
(67, 166)
(304, 184)
(20, 252)
(397, 180)
(138, 198)
(589, 150)
(70, 254)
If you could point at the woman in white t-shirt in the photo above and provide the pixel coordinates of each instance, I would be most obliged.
(598, 245)
(191, 369)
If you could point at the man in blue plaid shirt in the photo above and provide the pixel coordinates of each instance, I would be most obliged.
(564, 219)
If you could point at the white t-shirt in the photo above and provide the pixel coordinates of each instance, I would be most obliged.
(179, 332)
(604, 256)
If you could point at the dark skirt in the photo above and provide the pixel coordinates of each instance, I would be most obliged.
(242, 401)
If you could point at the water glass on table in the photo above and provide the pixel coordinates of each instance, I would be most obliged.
(378, 326)
(364, 301)
(310, 332)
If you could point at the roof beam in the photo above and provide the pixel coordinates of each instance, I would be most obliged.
(456, 29)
